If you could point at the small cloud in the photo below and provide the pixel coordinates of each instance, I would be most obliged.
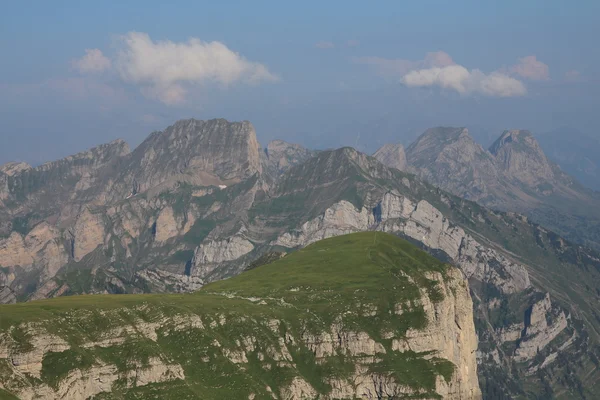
(531, 68)
(166, 69)
(463, 81)
(324, 45)
(439, 69)
(93, 61)
(352, 43)
(573, 76)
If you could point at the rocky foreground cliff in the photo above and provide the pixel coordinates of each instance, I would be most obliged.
(365, 315)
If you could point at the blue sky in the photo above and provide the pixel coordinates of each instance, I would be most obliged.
(74, 74)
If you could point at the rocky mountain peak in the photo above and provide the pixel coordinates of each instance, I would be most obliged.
(392, 155)
(514, 136)
(436, 141)
(13, 168)
(281, 155)
(452, 160)
(518, 154)
(205, 153)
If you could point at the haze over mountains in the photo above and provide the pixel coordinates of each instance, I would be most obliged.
(201, 201)
(513, 175)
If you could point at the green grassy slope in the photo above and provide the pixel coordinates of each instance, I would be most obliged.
(335, 280)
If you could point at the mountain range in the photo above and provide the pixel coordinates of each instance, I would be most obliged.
(202, 201)
(514, 175)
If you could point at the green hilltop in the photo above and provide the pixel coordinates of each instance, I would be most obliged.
(355, 281)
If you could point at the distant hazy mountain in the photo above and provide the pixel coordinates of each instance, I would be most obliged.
(576, 153)
(513, 175)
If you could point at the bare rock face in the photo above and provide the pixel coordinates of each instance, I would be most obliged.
(88, 233)
(541, 327)
(520, 156)
(48, 189)
(166, 225)
(392, 155)
(209, 255)
(13, 168)
(452, 160)
(215, 152)
(450, 334)
(78, 383)
(39, 251)
(281, 156)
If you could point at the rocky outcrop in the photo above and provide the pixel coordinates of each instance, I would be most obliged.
(166, 226)
(450, 334)
(281, 156)
(392, 155)
(211, 253)
(542, 324)
(520, 156)
(202, 153)
(88, 233)
(452, 160)
(14, 168)
(422, 222)
(40, 248)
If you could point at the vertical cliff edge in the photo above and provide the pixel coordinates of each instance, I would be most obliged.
(365, 315)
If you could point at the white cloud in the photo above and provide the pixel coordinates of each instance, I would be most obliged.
(463, 81)
(531, 68)
(438, 69)
(324, 45)
(92, 61)
(163, 69)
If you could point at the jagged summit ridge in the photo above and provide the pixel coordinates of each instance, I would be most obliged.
(281, 156)
(14, 168)
(518, 153)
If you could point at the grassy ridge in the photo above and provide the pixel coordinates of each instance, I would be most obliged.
(340, 280)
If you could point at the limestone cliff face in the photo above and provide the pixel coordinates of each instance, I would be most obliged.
(180, 343)
(452, 160)
(39, 252)
(48, 189)
(422, 222)
(281, 156)
(88, 233)
(542, 325)
(13, 168)
(215, 152)
(392, 155)
(450, 334)
(519, 155)
(78, 383)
